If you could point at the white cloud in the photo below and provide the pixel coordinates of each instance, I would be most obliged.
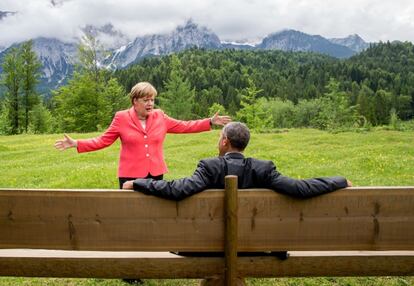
(230, 19)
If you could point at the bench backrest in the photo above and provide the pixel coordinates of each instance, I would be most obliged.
(369, 218)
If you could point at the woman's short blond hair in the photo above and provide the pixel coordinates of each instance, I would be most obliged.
(142, 89)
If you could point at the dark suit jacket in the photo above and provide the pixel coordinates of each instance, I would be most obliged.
(252, 173)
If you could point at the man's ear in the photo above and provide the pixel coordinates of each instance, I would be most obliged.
(225, 142)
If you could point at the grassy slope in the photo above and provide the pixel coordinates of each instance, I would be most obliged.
(375, 158)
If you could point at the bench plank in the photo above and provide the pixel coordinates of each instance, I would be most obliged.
(87, 264)
(369, 218)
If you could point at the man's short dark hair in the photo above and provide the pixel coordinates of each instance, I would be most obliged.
(238, 134)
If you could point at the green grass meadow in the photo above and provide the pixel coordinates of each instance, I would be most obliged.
(377, 158)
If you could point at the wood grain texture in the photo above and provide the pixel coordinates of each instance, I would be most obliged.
(231, 242)
(373, 218)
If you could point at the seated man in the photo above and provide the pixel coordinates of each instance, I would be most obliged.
(252, 173)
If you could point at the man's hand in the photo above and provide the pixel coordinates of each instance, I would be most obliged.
(128, 185)
(349, 183)
(220, 120)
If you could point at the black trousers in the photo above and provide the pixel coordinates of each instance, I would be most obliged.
(282, 255)
(122, 180)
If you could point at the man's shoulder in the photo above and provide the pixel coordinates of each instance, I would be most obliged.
(213, 164)
(215, 160)
(218, 161)
(210, 161)
(260, 161)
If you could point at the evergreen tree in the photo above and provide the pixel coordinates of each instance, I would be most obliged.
(12, 80)
(214, 108)
(282, 111)
(394, 122)
(206, 98)
(178, 98)
(253, 111)
(30, 77)
(382, 106)
(305, 112)
(335, 109)
(5, 126)
(365, 104)
(402, 104)
(116, 99)
(91, 98)
(78, 106)
(91, 54)
(40, 119)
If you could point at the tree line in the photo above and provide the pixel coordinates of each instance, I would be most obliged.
(265, 89)
(292, 89)
(86, 103)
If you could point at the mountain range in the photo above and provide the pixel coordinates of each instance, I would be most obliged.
(58, 58)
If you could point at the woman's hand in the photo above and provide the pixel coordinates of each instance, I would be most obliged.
(66, 143)
(220, 120)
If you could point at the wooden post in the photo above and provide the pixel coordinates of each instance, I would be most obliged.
(231, 207)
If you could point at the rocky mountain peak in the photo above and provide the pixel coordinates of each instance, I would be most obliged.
(183, 37)
(292, 40)
(354, 42)
(107, 35)
(189, 25)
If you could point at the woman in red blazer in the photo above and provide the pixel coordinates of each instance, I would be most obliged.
(142, 131)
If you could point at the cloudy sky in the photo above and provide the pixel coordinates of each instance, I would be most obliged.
(230, 19)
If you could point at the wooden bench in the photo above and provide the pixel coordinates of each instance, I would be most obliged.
(360, 231)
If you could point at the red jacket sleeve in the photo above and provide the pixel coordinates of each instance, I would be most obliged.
(106, 139)
(191, 126)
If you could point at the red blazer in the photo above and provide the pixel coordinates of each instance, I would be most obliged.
(141, 150)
